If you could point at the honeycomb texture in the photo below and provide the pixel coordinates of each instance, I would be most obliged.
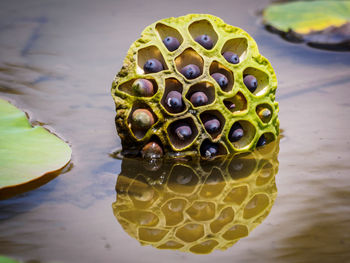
(231, 104)
(196, 206)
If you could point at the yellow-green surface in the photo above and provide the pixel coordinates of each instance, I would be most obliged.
(304, 17)
(226, 38)
(26, 152)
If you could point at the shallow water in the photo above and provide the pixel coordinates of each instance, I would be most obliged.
(57, 62)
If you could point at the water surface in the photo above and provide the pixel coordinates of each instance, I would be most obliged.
(57, 62)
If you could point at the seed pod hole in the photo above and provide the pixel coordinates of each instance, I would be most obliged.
(213, 122)
(211, 150)
(173, 211)
(238, 46)
(225, 217)
(256, 206)
(203, 33)
(141, 87)
(150, 60)
(190, 232)
(264, 112)
(241, 167)
(241, 134)
(213, 185)
(201, 94)
(165, 32)
(237, 103)
(205, 247)
(182, 132)
(141, 119)
(236, 232)
(188, 63)
(182, 179)
(222, 76)
(265, 139)
(201, 211)
(172, 99)
(265, 174)
(262, 81)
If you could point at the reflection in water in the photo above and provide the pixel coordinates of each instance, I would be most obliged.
(196, 206)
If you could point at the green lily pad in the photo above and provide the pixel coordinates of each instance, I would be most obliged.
(26, 153)
(4, 259)
(324, 24)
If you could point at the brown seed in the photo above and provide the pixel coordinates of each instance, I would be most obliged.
(142, 87)
(152, 150)
(142, 119)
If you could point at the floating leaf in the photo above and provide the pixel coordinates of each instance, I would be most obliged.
(26, 153)
(4, 259)
(323, 24)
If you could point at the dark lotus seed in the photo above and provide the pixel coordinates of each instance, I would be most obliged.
(220, 79)
(212, 125)
(230, 105)
(231, 57)
(142, 87)
(261, 141)
(142, 119)
(173, 101)
(236, 132)
(199, 98)
(183, 132)
(171, 43)
(250, 82)
(152, 66)
(152, 150)
(205, 41)
(190, 71)
(209, 150)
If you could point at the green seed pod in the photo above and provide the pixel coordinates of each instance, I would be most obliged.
(196, 206)
(228, 96)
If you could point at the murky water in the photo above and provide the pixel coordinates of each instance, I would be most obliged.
(57, 61)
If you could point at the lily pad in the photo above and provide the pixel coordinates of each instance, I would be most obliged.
(27, 153)
(4, 259)
(322, 24)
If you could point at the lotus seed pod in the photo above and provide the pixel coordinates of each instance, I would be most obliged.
(233, 91)
(197, 206)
